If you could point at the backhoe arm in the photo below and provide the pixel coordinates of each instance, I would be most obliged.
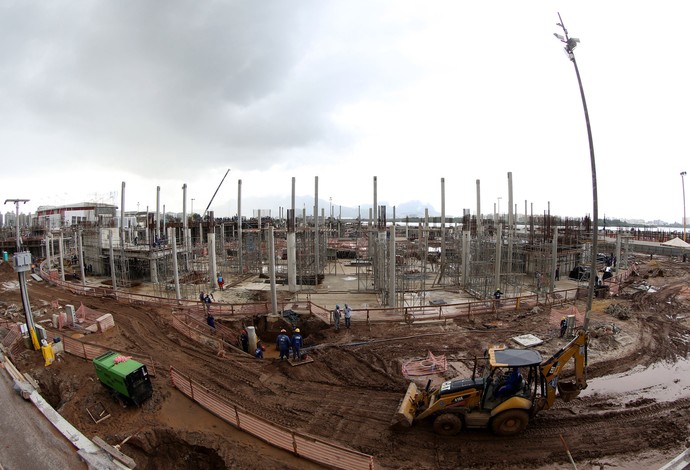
(551, 371)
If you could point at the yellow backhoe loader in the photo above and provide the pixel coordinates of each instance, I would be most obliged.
(508, 387)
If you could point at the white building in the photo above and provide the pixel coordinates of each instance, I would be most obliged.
(95, 213)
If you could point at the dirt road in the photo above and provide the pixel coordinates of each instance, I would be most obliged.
(351, 390)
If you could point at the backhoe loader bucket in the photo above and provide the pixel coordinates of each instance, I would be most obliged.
(406, 411)
(568, 390)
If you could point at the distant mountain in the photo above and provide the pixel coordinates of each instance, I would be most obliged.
(272, 206)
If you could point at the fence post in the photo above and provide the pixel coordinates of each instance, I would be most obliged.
(237, 416)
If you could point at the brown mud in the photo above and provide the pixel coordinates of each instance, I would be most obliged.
(351, 390)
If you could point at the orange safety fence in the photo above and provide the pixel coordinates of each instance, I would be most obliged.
(309, 447)
(13, 340)
(90, 351)
(422, 312)
(429, 365)
(557, 315)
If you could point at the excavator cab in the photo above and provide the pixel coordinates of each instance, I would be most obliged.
(507, 389)
(511, 372)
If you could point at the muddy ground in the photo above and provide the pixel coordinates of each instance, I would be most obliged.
(350, 392)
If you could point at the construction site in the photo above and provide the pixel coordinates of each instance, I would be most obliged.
(429, 297)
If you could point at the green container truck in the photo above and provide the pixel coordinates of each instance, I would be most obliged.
(128, 377)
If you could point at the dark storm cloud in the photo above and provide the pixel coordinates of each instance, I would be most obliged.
(188, 83)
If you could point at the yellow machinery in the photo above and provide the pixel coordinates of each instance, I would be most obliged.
(508, 387)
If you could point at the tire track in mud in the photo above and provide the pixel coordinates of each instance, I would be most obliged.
(350, 395)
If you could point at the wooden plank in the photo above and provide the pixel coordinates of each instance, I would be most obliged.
(125, 459)
(306, 360)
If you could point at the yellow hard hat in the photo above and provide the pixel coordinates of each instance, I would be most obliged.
(296, 330)
(563, 318)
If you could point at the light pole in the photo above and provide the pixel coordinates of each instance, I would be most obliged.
(192, 214)
(682, 177)
(22, 265)
(570, 44)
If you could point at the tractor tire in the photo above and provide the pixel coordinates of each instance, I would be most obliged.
(510, 423)
(447, 424)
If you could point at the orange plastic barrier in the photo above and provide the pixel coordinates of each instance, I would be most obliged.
(303, 445)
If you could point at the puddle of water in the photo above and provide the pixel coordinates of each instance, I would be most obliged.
(661, 381)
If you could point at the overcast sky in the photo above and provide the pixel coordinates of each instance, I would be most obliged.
(94, 93)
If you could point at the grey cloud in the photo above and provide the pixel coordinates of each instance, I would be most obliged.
(188, 82)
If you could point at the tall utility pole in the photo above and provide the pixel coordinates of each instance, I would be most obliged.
(22, 264)
(570, 44)
(682, 177)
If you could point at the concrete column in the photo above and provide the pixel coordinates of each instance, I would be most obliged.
(443, 229)
(153, 267)
(223, 255)
(499, 243)
(272, 270)
(618, 252)
(261, 236)
(122, 214)
(61, 248)
(251, 334)
(292, 244)
(158, 212)
(554, 259)
(173, 241)
(376, 207)
(466, 257)
(80, 247)
(480, 229)
(212, 266)
(391, 270)
(292, 262)
(240, 249)
(185, 224)
(112, 260)
(148, 229)
(370, 238)
(48, 240)
(511, 222)
(123, 259)
(316, 232)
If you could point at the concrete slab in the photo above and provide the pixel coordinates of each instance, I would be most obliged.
(527, 341)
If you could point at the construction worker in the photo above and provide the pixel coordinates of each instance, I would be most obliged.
(511, 385)
(348, 316)
(283, 344)
(244, 341)
(296, 345)
(336, 317)
(564, 326)
(259, 353)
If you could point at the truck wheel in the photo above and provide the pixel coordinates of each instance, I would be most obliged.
(510, 422)
(447, 424)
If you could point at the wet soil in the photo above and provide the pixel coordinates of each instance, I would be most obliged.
(353, 387)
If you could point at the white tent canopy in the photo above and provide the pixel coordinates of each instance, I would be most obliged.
(676, 243)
